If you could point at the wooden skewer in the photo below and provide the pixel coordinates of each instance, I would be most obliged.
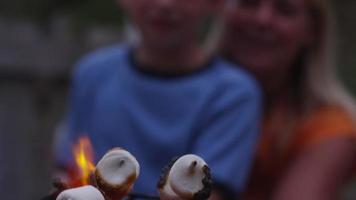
(133, 196)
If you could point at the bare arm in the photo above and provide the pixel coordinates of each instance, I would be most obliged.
(318, 173)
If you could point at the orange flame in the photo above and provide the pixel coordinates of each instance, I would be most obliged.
(84, 159)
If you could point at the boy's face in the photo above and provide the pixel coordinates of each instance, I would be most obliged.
(167, 24)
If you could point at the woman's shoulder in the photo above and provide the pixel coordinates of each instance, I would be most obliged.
(325, 123)
(329, 118)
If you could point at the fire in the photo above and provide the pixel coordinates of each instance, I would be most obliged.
(84, 159)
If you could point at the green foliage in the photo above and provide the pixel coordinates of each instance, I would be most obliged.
(82, 12)
(96, 12)
(348, 68)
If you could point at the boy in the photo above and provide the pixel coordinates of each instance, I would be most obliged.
(165, 97)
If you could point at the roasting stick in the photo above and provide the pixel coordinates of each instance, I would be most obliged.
(133, 196)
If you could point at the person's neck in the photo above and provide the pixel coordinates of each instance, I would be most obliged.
(276, 90)
(175, 60)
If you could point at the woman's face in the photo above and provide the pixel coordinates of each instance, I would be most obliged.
(266, 36)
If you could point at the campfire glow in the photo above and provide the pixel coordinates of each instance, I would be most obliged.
(84, 158)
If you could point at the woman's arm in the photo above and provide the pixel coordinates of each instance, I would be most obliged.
(318, 173)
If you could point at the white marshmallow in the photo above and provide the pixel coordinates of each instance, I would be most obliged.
(81, 193)
(186, 178)
(116, 172)
(186, 175)
(117, 165)
(167, 193)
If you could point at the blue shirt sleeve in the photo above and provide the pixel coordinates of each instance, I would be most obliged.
(87, 75)
(72, 127)
(228, 139)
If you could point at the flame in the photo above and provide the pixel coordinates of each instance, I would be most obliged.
(84, 159)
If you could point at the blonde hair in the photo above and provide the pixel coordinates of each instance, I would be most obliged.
(320, 76)
(315, 82)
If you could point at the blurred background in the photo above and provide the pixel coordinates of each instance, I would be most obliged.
(39, 42)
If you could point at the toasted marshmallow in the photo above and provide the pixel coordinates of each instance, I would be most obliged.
(116, 173)
(81, 193)
(187, 178)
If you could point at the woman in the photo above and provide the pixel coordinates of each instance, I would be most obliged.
(307, 149)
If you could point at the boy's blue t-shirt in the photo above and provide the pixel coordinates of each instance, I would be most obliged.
(213, 113)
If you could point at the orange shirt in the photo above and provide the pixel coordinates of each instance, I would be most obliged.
(322, 125)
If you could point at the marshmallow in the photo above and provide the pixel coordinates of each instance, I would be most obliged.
(81, 193)
(116, 173)
(187, 178)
